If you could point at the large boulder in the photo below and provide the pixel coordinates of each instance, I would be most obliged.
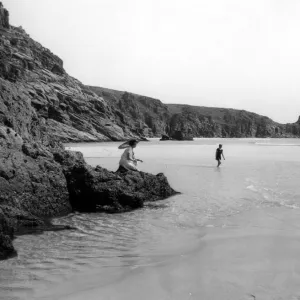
(182, 136)
(165, 138)
(97, 189)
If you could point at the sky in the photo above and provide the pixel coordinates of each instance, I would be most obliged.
(242, 54)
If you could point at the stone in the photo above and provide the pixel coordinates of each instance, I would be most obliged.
(165, 137)
(97, 189)
(182, 136)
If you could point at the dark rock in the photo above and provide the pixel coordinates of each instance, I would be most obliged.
(6, 247)
(38, 98)
(97, 189)
(165, 138)
(4, 17)
(30, 179)
(197, 121)
(6, 236)
(181, 136)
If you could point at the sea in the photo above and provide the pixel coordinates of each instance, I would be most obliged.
(232, 233)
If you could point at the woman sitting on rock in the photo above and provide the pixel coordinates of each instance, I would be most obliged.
(128, 161)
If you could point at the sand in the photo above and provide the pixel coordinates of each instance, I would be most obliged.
(252, 255)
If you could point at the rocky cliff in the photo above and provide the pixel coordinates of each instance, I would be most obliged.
(40, 99)
(40, 107)
(150, 117)
(223, 122)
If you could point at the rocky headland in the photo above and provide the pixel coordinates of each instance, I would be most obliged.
(150, 117)
(41, 106)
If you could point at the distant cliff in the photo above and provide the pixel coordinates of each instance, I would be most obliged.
(150, 117)
(223, 122)
(39, 99)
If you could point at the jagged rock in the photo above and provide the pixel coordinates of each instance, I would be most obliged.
(30, 179)
(165, 138)
(220, 122)
(38, 98)
(97, 189)
(4, 17)
(181, 136)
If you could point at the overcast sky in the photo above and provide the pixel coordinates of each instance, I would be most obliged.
(242, 54)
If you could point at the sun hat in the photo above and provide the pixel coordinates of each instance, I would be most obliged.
(127, 144)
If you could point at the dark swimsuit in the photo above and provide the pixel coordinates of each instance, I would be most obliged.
(218, 154)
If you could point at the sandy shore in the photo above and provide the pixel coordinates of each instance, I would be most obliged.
(253, 255)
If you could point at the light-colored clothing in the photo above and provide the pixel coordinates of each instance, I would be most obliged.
(128, 160)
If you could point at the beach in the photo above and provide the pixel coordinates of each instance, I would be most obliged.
(230, 234)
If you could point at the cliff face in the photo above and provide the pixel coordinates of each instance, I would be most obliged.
(221, 122)
(40, 101)
(150, 117)
(135, 113)
(4, 17)
(40, 107)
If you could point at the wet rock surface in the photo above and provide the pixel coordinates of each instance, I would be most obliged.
(39, 182)
(97, 189)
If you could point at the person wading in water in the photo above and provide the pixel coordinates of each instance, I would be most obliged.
(128, 160)
(219, 153)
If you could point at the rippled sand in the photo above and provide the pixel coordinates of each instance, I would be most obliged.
(253, 255)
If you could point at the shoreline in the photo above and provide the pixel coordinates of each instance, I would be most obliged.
(173, 140)
(234, 257)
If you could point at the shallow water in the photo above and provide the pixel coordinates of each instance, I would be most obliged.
(233, 233)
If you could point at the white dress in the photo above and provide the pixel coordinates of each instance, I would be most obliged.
(128, 160)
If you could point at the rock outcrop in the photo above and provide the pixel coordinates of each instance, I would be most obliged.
(97, 189)
(199, 121)
(6, 235)
(40, 107)
(39, 182)
(165, 137)
(147, 116)
(140, 115)
(38, 94)
(4, 17)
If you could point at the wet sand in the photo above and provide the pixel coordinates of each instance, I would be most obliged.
(252, 255)
(233, 233)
